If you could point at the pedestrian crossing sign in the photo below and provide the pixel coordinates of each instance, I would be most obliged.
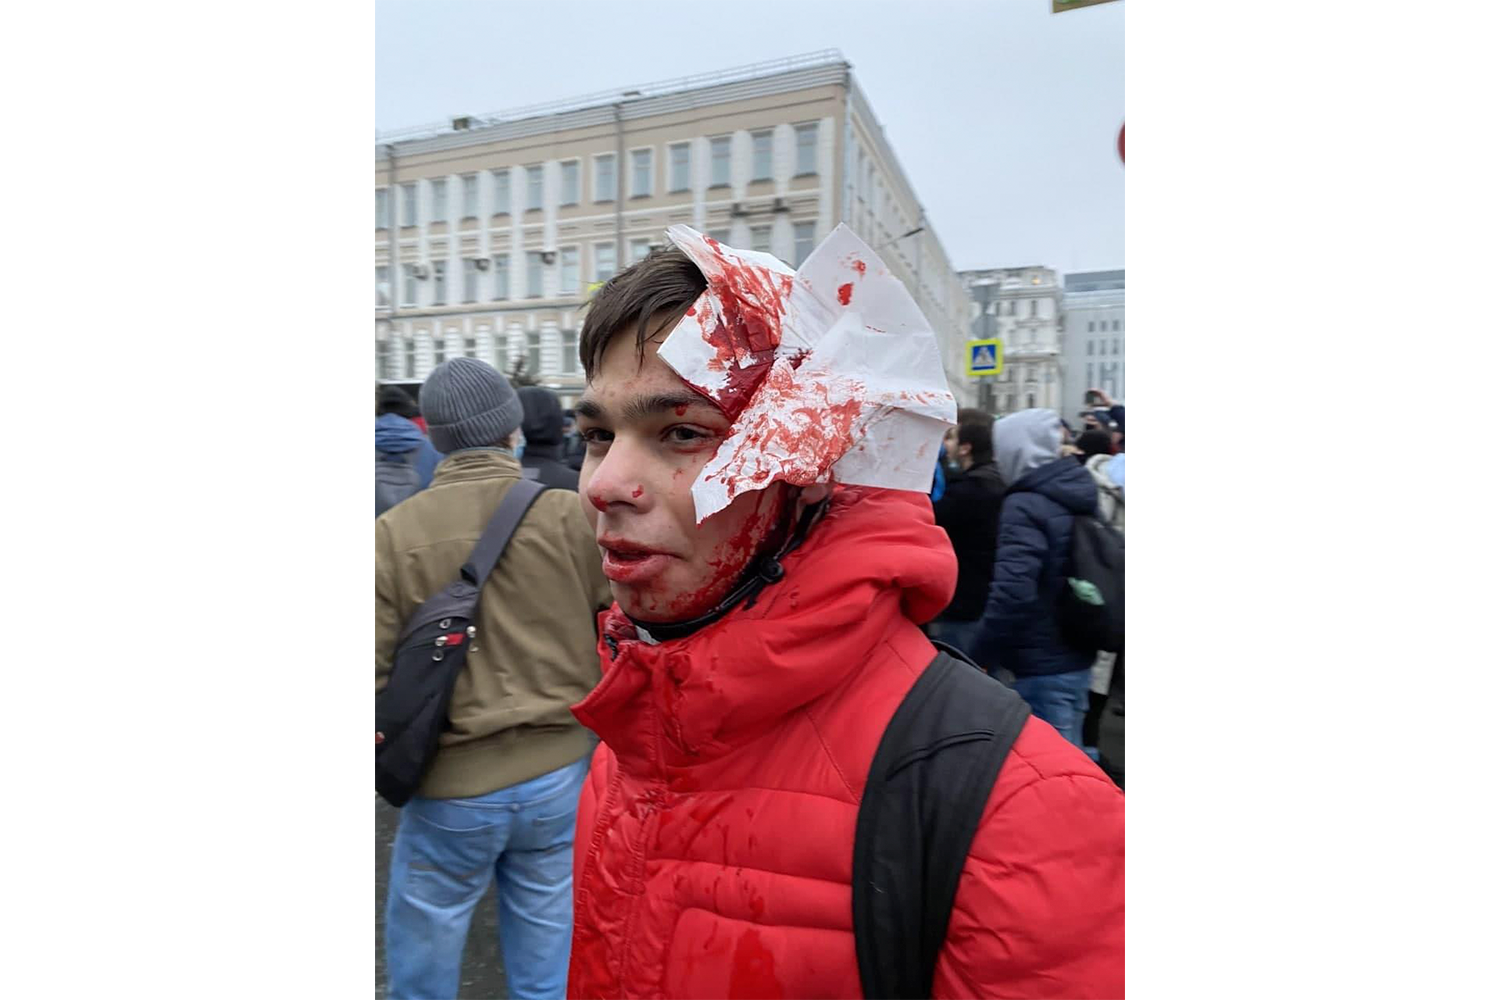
(986, 357)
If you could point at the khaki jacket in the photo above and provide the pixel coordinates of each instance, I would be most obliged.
(534, 654)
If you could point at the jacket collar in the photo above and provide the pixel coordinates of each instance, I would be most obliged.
(875, 565)
(470, 464)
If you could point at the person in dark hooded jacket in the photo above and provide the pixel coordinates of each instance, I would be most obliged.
(969, 511)
(542, 426)
(1019, 629)
(397, 436)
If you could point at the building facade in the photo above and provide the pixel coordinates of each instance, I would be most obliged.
(1094, 335)
(491, 232)
(1022, 307)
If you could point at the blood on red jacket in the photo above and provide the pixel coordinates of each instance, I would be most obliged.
(716, 829)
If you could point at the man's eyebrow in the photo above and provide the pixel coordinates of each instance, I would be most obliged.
(586, 407)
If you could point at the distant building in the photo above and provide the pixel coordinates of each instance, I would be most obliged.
(1021, 306)
(490, 231)
(1093, 335)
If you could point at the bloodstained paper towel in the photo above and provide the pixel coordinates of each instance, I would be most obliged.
(830, 373)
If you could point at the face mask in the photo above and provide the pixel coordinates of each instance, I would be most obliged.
(520, 444)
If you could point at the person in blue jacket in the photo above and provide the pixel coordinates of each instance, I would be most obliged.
(397, 435)
(1018, 630)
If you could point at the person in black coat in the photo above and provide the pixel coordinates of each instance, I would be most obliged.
(542, 426)
(1018, 630)
(969, 512)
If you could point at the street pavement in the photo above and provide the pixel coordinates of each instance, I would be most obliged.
(483, 973)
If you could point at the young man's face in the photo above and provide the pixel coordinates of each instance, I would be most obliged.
(648, 435)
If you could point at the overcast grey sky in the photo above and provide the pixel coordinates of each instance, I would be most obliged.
(1003, 114)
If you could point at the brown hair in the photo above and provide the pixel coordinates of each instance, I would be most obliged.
(665, 281)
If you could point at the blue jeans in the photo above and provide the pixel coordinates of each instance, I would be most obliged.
(1061, 699)
(446, 852)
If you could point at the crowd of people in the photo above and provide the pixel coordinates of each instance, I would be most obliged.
(660, 745)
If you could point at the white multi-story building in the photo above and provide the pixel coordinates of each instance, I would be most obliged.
(1094, 335)
(1020, 306)
(491, 231)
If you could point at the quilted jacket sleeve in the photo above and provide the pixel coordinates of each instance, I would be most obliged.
(1020, 553)
(1040, 910)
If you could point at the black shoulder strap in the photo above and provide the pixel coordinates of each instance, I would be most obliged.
(931, 777)
(491, 545)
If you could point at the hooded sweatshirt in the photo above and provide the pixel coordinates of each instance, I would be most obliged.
(542, 424)
(715, 837)
(1043, 494)
(395, 435)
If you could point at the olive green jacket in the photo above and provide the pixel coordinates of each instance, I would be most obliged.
(534, 654)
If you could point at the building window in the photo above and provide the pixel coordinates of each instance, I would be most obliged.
(408, 284)
(502, 351)
(1010, 402)
(471, 195)
(721, 235)
(604, 261)
(760, 238)
(408, 204)
(568, 258)
(570, 182)
(1031, 401)
(570, 352)
(680, 161)
(471, 347)
(439, 282)
(639, 249)
(1089, 378)
(640, 173)
(807, 149)
(605, 184)
(803, 233)
(1115, 325)
(440, 200)
(439, 349)
(502, 191)
(411, 357)
(501, 263)
(1033, 308)
(471, 281)
(382, 207)
(1115, 348)
(534, 353)
(760, 156)
(718, 162)
(1091, 346)
(533, 275)
(382, 285)
(534, 187)
(382, 359)
(1091, 327)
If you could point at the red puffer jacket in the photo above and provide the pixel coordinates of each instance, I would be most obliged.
(716, 828)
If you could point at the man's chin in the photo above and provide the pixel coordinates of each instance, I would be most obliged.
(650, 606)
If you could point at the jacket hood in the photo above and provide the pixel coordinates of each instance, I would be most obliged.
(1025, 441)
(1064, 482)
(395, 435)
(542, 416)
(876, 558)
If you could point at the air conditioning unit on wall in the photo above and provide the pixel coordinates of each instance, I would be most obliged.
(482, 263)
(421, 272)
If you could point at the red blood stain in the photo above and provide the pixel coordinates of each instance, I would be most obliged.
(752, 971)
(636, 492)
(746, 329)
(859, 266)
(599, 502)
(845, 290)
(711, 242)
(692, 311)
(681, 410)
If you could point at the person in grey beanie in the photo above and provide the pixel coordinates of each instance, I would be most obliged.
(467, 403)
(499, 802)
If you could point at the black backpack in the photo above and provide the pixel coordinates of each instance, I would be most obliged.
(928, 784)
(396, 478)
(411, 712)
(1098, 557)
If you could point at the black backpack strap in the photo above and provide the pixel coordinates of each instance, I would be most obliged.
(928, 784)
(491, 545)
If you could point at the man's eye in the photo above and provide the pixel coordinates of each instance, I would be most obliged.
(597, 436)
(686, 435)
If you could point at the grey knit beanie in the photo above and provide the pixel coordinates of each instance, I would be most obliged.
(468, 404)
